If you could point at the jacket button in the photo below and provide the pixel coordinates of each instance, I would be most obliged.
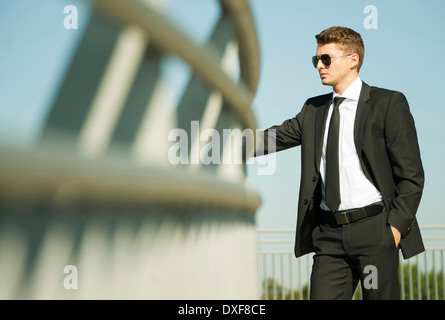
(314, 178)
(305, 202)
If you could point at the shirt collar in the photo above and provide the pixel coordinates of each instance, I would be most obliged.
(352, 92)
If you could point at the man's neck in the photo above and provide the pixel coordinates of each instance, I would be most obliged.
(342, 86)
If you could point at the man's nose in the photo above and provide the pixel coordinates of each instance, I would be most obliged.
(320, 65)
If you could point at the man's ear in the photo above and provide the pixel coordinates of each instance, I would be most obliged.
(354, 60)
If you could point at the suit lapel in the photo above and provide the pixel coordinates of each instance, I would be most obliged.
(362, 109)
(320, 124)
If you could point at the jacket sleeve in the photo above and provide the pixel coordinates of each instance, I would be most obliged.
(280, 137)
(404, 155)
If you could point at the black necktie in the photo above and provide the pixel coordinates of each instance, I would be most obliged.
(332, 183)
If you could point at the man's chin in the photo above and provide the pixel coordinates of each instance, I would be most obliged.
(325, 82)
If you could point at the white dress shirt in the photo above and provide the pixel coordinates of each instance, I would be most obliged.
(356, 190)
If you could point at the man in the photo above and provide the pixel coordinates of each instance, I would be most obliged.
(361, 182)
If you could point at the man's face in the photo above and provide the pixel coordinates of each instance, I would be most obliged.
(340, 67)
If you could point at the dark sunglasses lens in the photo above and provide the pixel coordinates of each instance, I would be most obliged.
(314, 61)
(326, 59)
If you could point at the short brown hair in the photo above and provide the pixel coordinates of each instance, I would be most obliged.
(349, 40)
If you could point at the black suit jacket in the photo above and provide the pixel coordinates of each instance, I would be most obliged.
(386, 142)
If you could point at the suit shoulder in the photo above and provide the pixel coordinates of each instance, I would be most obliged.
(385, 97)
(319, 100)
(382, 92)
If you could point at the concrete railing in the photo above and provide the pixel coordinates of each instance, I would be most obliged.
(95, 209)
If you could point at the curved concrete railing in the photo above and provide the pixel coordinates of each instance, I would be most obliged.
(90, 197)
(248, 41)
(168, 38)
(64, 178)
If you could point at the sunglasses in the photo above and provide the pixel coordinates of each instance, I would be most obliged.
(325, 59)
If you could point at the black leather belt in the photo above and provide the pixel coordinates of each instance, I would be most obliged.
(348, 216)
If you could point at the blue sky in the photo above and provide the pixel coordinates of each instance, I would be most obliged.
(34, 51)
(402, 54)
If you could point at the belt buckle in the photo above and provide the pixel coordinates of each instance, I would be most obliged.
(342, 218)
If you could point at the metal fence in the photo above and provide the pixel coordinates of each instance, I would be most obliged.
(283, 277)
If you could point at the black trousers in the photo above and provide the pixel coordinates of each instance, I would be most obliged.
(364, 251)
